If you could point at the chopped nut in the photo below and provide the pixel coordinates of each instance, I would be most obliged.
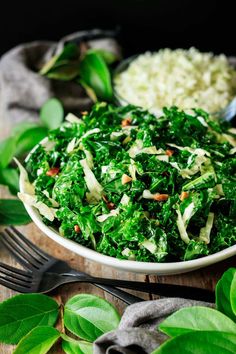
(125, 179)
(126, 122)
(84, 113)
(169, 152)
(53, 171)
(160, 197)
(77, 229)
(184, 195)
(111, 205)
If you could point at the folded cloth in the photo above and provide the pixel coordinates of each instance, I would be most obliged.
(23, 91)
(137, 332)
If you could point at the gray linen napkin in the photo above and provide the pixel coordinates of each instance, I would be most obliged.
(23, 91)
(137, 332)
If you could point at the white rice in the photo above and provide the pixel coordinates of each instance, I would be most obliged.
(184, 78)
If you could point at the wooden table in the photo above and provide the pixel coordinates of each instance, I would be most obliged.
(204, 278)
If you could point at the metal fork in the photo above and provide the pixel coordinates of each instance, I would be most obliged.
(227, 113)
(44, 273)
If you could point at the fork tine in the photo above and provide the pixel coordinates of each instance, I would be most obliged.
(16, 270)
(8, 270)
(14, 252)
(24, 247)
(33, 247)
(10, 285)
(16, 247)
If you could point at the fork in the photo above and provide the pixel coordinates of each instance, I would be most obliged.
(44, 273)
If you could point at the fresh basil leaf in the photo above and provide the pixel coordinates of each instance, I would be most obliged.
(21, 127)
(89, 316)
(7, 150)
(65, 72)
(38, 341)
(109, 57)
(12, 212)
(9, 177)
(224, 294)
(29, 138)
(200, 343)
(71, 346)
(95, 74)
(52, 113)
(196, 318)
(24, 312)
(69, 52)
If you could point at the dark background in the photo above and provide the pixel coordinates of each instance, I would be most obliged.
(144, 24)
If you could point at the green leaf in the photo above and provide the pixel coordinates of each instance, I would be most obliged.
(200, 343)
(109, 57)
(233, 295)
(29, 138)
(64, 66)
(71, 346)
(9, 177)
(52, 113)
(196, 318)
(7, 150)
(89, 316)
(21, 127)
(12, 212)
(224, 293)
(95, 74)
(65, 72)
(22, 313)
(38, 341)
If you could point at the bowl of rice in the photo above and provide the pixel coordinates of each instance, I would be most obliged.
(183, 78)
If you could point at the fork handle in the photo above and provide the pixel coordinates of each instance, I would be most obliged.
(120, 294)
(166, 290)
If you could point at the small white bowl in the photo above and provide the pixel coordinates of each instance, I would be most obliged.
(126, 265)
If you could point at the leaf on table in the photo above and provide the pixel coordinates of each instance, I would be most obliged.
(13, 212)
(95, 74)
(38, 341)
(10, 177)
(196, 318)
(225, 297)
(7, 150)
(200, 343)
(233, 295)
(22, 313)
(71, 346)
(89, 316)
(52, 113)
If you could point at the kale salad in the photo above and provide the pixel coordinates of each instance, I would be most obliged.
(131, 186)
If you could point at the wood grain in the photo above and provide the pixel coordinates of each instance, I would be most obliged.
(205, 278)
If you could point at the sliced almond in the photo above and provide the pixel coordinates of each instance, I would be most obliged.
(160, 197)
(125, 179)
(184, 195)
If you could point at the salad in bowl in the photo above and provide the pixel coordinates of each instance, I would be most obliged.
(122, 187)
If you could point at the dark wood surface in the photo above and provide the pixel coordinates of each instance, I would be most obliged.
(204, 278)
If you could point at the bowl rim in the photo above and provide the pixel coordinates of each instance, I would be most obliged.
(123, 264)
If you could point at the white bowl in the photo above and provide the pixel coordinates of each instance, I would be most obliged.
(126, 265)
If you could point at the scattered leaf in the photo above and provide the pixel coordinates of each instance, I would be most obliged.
(95, 74)
(22, 313)
(9, 177)
(38, 341)
(196, 318)
(29, 138)
(12, 212)
(200, 343)
(71, 346)
(89, 316)
(52, 113)
(224, 295)
(7, 150)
